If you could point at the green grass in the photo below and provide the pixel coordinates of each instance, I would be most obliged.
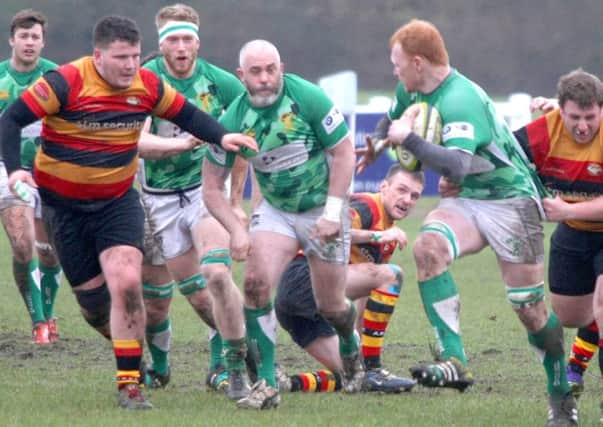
(72, 382)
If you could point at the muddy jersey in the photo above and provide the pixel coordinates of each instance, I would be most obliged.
(470, 124)
(12, 84)
(368, 213)
(573, 171)
(293, 135)
(211, 89)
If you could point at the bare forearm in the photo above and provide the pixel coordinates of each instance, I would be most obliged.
(342, 168)
(152, 146)
(238, 176)
(591, 210)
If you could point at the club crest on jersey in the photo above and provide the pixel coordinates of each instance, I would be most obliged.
(41, 91)
(332, 120)
(133, 100)
(4, 94)
(594, 169)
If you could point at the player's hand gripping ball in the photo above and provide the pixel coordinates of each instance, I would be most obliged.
(428, 125)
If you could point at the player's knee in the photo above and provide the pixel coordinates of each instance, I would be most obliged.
(157, 301)
(215, 266)
(525, 297)
(429, 252)
(192, 285)
(435, 246)
(256, 290)
(22, 250)
(95, 305)
(397, 278)
(46, 253)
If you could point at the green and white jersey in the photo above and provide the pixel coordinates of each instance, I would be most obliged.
(470, 123)
(12, 84)
(211, 89)
(293, 135)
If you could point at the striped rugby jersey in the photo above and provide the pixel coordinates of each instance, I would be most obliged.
(368, 214)
(90, 131)
(571, 170)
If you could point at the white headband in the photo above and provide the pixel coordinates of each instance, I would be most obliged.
(180, 27)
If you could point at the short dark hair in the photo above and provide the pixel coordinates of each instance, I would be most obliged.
(418, 175)
(583, 88)
(113, 28)
(27, 18)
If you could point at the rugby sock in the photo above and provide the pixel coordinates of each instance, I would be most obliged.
(216, 353)
(21, 273)
(128, 354)
(377, 314)
(235, 351)
(35, 289)
(441, 303)
(349, 341)
(584, 347)
(159, 338)
(50, 280)
(317, 381)
(548, 343)
(261, 340)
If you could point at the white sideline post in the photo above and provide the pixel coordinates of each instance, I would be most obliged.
(342, 88)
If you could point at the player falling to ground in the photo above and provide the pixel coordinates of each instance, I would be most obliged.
(372, 281)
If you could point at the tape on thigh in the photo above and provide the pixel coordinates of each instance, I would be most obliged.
(217, 256)
(192, 284)
(158, 292)
(444, 230)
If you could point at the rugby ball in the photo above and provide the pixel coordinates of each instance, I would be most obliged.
(428, 125)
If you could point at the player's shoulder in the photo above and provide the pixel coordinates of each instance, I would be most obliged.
(153, 64)
(4, 65)
(460, 95)
(207, 67)
(370, 201)
(298, 85)
(47, 65)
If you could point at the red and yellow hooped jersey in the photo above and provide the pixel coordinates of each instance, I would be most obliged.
(90, 130)
(571, 170)
(368, 214)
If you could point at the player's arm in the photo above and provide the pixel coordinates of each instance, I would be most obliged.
(375, 145)
(557, 209)
(393, 234)
(206, 128)
(15, 117)
(214, 178)
(238, 176)
(451, 163)
(151, 146)
(174, 107)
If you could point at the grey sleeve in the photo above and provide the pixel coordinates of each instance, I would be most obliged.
(382, 127)
(452, 164)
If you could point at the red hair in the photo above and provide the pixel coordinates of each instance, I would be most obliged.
(421, 38)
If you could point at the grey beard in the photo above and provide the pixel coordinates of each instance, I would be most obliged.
(265, 101)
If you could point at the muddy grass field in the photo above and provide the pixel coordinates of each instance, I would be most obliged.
(71, 383)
